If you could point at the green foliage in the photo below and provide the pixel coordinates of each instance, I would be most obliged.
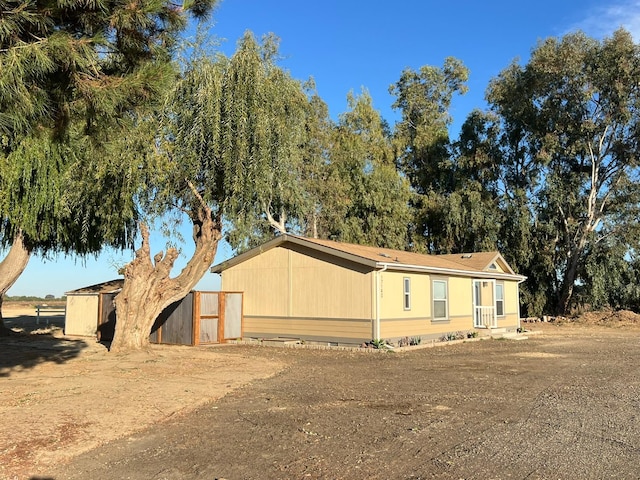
(409, 341)
(234, 127)
(378, 344)
(366, 201)
(421, 137)
(569, 123)
(74, 78)
(451, 336)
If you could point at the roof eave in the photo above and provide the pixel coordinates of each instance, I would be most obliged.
(450, 271)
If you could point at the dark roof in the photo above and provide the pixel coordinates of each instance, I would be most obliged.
(111, 286)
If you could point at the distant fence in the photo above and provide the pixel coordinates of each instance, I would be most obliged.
(55, 310)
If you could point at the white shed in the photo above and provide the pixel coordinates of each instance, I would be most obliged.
(85, 307)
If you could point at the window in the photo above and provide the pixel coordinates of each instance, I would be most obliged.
(407, 293)
(440, 300)
(499, 299)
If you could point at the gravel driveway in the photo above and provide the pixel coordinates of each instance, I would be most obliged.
(561, 405)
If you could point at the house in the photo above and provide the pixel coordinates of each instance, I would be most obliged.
(199, 318)
(340, 293)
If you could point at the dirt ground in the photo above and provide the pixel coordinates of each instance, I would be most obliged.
(61, 396)
(563, 404)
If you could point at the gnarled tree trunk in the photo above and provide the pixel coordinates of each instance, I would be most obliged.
(10, 269)
(148, 289)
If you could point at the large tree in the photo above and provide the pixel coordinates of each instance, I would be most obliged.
(72, 76)
(422, 141)
(365, 199)
(231, 136)
(570, 122)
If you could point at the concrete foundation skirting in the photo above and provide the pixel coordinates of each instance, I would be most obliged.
(294, 343)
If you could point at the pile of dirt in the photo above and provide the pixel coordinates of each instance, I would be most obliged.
(609, 318)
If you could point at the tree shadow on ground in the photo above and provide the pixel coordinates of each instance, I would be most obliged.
(30, 345)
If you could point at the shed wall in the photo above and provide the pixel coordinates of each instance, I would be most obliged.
(82, 315)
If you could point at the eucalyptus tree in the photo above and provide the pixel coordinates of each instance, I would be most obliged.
(230, 146)
(72, 76)
(470, 211)
(422, 143)
(570, 122)
(366, 200)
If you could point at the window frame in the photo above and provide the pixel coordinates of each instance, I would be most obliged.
(445, 300)
(406, 293)
(500, 300)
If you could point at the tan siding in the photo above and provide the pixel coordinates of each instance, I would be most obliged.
(392, 299)
(392, 329)
(509, 321)
(511, 306)
(356, 330)
(460, 297)
(303, 293)
(499, 267)
(511, 298)
(462, 323)
(82, 315)
(287, 283)
(322, 289)
(264, 279)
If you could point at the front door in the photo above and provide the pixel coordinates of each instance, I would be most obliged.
(484, 301)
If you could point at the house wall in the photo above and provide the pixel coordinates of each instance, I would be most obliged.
(396, 322)
(511, 319)
(82, 315)
(300, 293)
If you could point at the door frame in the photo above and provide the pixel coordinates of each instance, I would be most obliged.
(484, 316)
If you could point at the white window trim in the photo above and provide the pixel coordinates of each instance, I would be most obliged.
(446, 300)
(406, 297)
(498, 300)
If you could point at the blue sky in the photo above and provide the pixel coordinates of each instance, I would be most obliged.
(348, 45)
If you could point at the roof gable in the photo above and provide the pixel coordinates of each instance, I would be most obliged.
(484, 261)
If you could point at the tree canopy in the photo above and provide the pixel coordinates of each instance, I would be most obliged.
(548, 174)
(570, 123)
(72, 75)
